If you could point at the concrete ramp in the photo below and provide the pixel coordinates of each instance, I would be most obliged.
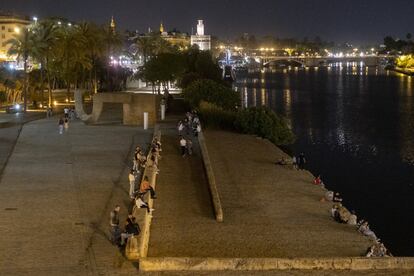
(134, 106)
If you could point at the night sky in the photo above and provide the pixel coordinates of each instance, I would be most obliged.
(355, 21)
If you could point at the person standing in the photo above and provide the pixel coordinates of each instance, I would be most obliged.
(180, 127)
(66, 124)
(66, 112)
(131, 178)
(301, 161)
(61, 122)
(114, 223)
(189, 147)
(294, 163)
(183, 145)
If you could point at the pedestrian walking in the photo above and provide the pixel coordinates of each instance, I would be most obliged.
(301, 161)
(131, 178)
(114, 223)
(66, 112)
(180, 128)
(183, 145)
(66, 124)
(198, 130)
(49, 112)
(61, 122)
(189, 147)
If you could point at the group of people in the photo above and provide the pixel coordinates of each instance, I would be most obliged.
(342, 215)
(298, 162)
(140, 161)
(68, 114)
(190, 125)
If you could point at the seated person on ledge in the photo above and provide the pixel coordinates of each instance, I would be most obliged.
(282, 162)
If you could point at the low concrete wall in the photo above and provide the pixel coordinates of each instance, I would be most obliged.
(137, 246)
(134, 106)
(260, 264)
(215, 197)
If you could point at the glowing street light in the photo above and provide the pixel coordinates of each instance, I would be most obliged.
(17, 30)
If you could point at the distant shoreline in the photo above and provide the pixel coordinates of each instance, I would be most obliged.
(402, 71)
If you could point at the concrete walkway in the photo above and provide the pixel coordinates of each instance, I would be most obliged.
(55, 197)
(183, 208)
(269, 211)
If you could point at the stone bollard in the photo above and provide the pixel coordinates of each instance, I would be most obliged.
(145, 120)
(132, 248)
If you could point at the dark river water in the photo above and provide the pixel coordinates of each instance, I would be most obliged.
(355, 125)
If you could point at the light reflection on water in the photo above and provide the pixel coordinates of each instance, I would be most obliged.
(356, 126)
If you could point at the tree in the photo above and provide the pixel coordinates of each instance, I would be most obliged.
(211, 92)
(163, 68)
(46, 34)
(23, 46)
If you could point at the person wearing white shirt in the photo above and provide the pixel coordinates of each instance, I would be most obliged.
(131, 178)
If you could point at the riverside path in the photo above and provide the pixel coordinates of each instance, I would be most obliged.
(56, 193)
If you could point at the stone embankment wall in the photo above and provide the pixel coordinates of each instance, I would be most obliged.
(137, 246)
(215, 196)
(263, 264)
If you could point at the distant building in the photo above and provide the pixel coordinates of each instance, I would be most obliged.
(176, 38)
(200, 39)
(10, 25)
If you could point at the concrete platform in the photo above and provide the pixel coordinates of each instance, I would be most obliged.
(55, 197)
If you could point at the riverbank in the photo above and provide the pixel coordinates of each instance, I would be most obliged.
(403, 71)
(270, 211)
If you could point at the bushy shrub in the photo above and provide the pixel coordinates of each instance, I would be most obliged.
(214, 116)
(212, 92)
(265, 123)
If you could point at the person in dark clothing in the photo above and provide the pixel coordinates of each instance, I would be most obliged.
(114, 223)
(301, 161)
(131, 229)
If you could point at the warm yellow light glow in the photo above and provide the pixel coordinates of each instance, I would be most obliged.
(17, 30)
(54, 102)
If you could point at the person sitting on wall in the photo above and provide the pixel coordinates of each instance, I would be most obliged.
(337, 198)
(364, 229)
(282, 162)
(146, 187)
(131, 229)
(140, 203)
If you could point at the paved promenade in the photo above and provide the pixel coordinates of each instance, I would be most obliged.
(270, 211)
(55, 197)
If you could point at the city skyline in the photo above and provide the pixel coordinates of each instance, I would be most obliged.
(339, 21)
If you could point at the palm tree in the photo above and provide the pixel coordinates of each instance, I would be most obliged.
(71, 55)
(95, 49)
(23, 46)
(46, 34)
(145, 45)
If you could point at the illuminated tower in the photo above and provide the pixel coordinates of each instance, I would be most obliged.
(202, 40)
(161, 28)
(112, 25)
(200, 27)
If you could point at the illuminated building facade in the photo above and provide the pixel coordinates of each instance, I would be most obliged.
(200, 39)
(10, 25)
